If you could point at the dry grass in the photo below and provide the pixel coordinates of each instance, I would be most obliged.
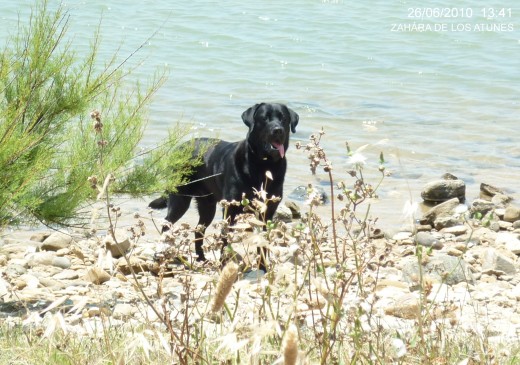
(317, 311)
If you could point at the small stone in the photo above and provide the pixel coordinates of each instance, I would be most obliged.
(489, 190)
(301, 193)
(283, 214)
(122, 246)
(40, 258)
(445, 222)
(40, 236)
(510, 241)
(440, 267)
(406, 306)
(46, 258)
(30, 281)
(66, 275)
(496, 263)
(426, 239)
(295, 209)
(516, 224)
(443, 190)
(456, 230)
(423, 227)
(52, 283)
(61, 262)
(123, 311)
(505, 225)
(500, 212)
(386, 283)
(57, 241)
(137, 265)
(97, 276)
(463, 247)
(14, 270)
(481, 206)
(401, 236)
(452, 251)
(512, 214)
(494, 226)
(446, 209)
(500, 200)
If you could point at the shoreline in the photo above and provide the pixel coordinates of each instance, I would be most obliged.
(467, 264)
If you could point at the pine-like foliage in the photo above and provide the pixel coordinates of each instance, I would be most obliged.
(66, 123)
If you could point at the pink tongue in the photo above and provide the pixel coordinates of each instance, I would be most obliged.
(280, 148)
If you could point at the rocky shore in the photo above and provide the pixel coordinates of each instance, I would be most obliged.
(469, 256)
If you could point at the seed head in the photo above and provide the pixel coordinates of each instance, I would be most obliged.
(290, 346)
(225, 284)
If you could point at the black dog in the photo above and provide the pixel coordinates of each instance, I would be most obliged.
(230, 169)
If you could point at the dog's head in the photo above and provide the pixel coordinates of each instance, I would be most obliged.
(269, 129)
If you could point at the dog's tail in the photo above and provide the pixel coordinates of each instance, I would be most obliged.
(159, 203)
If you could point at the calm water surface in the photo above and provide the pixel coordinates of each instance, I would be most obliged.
(445, 99)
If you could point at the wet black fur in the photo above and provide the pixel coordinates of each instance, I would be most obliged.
(232, 168)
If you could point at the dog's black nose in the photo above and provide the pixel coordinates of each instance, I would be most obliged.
(278, 132)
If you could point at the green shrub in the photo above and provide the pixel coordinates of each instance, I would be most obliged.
(67, 123)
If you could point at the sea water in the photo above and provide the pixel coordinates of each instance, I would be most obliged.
(435, 86)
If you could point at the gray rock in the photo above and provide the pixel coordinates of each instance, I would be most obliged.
(510, 241)
(494, 262)
(295, 209)
(283, 214)
(57, 241)
(445, 222)
(441, 267)
(516, 225)
(446, 209)
(443, 190)
(494, 226)
(489, 190)
(14, 270)
(481, 206)
(512, 214)
(426, 239)
(61, 262)
(456, 230)
(301, 193)
(500, 200)
(483, 234)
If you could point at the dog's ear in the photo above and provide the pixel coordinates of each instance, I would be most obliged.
(249, 115)
(294, 119)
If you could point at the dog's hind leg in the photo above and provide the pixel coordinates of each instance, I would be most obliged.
(177, 206)
(206, 207)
